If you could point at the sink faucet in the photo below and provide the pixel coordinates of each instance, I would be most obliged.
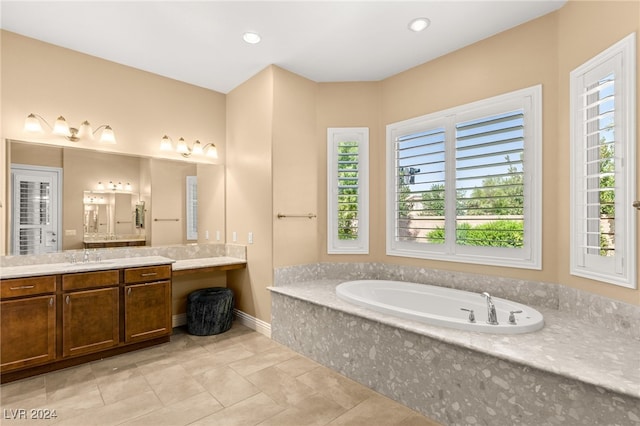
(492, 317)
(85, 256)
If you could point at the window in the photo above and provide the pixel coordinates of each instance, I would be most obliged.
(464, 184)
(602, 166)
(348, 190)
(192, 207)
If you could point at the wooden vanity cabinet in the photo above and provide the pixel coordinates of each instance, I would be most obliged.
(90, 312)
(27, 322)
(57, 321)
(147, 303)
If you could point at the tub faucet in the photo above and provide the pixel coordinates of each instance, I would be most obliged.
(492, 317)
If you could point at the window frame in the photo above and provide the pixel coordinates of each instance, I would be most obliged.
(620, 58)
(529, 257)
(360, 245)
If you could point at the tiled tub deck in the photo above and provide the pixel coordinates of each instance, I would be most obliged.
(582, 368)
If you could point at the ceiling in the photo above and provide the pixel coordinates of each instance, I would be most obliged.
(200, 42)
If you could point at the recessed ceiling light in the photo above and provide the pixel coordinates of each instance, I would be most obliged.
(251, 38)
(419, 24)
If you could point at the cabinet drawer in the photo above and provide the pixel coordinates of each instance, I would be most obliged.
(89, 280)
(27, 286)
(147, 274)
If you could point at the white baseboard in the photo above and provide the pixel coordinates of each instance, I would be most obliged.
(253, 323)
(247, 320)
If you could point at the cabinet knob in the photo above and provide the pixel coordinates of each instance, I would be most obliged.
(51, 301)
(129, 291)
(67, 300)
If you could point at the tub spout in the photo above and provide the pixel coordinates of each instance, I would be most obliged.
(492, 317)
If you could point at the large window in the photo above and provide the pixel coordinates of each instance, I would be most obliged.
(464, 184)
(603, 164)
(348, 190)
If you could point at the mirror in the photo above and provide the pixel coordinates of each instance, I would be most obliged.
(113, 219)
(157, 192)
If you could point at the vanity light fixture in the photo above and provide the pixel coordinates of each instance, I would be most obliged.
(419, 24)
(208, 150)
(114, 187)
(60, 127)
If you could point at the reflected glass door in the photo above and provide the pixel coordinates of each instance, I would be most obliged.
(36, 218)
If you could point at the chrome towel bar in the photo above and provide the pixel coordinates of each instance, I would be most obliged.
(308, 215)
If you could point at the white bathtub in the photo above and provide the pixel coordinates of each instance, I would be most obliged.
(439, 306)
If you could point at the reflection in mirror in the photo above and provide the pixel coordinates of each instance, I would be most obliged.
(158, 188)
(113, 219)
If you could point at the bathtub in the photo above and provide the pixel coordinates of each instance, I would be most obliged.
(439, 306)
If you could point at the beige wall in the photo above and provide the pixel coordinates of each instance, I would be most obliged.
(141, 107)
(352, 105)
(295, 169)
(249, 190)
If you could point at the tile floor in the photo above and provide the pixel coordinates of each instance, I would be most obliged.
(235, 378)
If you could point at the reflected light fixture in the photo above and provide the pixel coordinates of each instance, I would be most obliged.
(32, 124)
(419, 24)
(208, 150)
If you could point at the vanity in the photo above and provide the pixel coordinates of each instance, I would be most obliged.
(62, 314)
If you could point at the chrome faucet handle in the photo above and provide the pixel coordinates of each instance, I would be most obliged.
(472, 317)
(512, 317)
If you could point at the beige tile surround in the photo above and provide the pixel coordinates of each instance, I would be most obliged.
(236, 378)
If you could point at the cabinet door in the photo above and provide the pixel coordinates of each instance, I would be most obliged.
(27, 332)
(90, 321)
(147, 311)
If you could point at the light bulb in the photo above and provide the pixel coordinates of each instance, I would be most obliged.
(108, 136)
(32, 124)
(165, 143)
(85, 131)
(197, 148)
(61, 128)
(182, 146)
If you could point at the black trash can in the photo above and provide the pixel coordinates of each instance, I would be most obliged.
(209, 311)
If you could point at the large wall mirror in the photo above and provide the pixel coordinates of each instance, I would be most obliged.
(109, 200)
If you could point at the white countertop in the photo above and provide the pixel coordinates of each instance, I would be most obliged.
(118, 263)
(69, 268)
(206, 262)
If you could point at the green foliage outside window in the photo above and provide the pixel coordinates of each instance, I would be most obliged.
(348, 191)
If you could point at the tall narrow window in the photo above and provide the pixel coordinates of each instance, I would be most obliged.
(603, 163)
(348, 190)
(192, 207)
(464, 184)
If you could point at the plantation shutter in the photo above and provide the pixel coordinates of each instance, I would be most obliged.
(420, 186)
(490, 181)
(192, 207)
(599, 179)
(603, 236)
(35, 208)
(348, 190)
